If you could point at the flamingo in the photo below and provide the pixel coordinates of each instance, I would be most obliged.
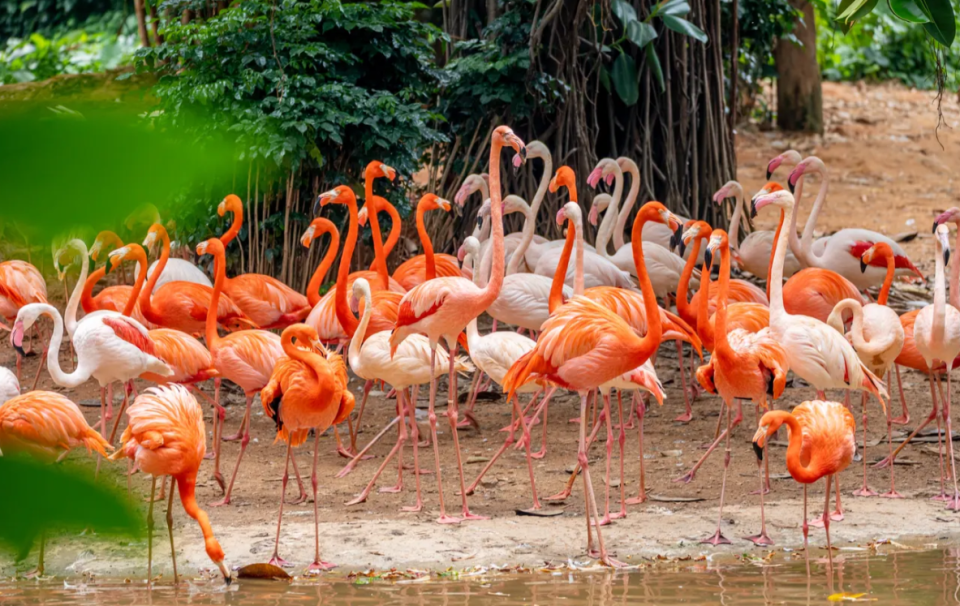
(652, 232)
(815, 352)
(583, 345)
(307, 391)
(107, 241)
(47, 426)
(822, 444)
(744, 365)
(183, 306)
(936, 333)
(878, 336)
(756, 250)
(245, 357)
(20, 284)
(268, 302)
(370, 359)
(9, 384)
(442, 308)
(841, 251)
(166, 437)
(175, 270)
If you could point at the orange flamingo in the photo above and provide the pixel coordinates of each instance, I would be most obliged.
(442, 308)
(179, 305)
(165, 436)
(822, 444)
(584, 345)
(745, 365)
(113, 298)
(246, 357)
(107, 241)
(268, 302)
(20, 284)
(47, 426)
(306, 391)
(878, 337)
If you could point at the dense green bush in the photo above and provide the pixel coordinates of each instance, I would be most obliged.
(38, 58)
(21, 18)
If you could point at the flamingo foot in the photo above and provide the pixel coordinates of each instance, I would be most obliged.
(221, 502)
(391, 489)
(901, 420)
(606, 560)
(716, 539)
(618, 514)
(766, 490)
(638, 500)
(320, 566)
(218, 477)
(576, 420)
(883, 463)
(893, 494)
(539, 454)
(686, 478)
(445, 519)
(953, 504)
(232, 438)
(413, 508)
(276, 560)
(357, 501)
(347, 453)
(558, 498)
(940, 497)
(760, 540)
(836, 516)
(209, 455)
(864, 492)
(33, 574)
(301, 499)
(466, 516)
(604, 521)
(684, 418)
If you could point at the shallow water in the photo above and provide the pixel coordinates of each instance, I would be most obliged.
(884, 576)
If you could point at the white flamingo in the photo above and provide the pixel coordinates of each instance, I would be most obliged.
(176, 270)
(9, 385)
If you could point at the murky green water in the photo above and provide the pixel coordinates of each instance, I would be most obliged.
(885, 577)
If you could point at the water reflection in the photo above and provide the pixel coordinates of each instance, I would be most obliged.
(884, 574)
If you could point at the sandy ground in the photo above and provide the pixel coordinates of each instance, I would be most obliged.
(886, 171)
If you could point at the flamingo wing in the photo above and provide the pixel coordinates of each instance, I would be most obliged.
(132, 332)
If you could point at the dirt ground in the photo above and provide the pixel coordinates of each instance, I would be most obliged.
(888, 173)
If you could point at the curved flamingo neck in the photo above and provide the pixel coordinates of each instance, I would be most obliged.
(187, 486)
(80, 375)
(396, 225)
(210, 328)
(775, 277)
(146, 295)
(687, 312)
(556, 287)
(381, 257)
(611, 217)
(86, 298)
(773, 252)
(492, 289)
(543, 186)
(804, 475)
(320, 273)
(308, 358)
(634, 171)
(431, 264)
(74, 303)
(353, 352)
(704, 330)
(795, 246)
(939, 297)
(140, 256)
(235, 226)
(529, 227)
(888, 279)
(651, 340)
(739, 202)
(806, 242)
(345, 316)
(723, 293)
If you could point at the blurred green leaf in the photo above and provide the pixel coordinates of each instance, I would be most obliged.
(848, 8)
(40, 497)
(654, 62)
(640, 33)
(624, 11)
(624, 76)
(682, 26)
(677, 8)
(943, 24)
(907, 10)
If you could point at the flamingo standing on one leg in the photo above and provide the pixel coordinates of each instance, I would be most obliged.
(878, 336)
(744, 365)
(166, 437)
(306, 391)
(442, 308)
(822, 444)
(584, 345)
(245, 357)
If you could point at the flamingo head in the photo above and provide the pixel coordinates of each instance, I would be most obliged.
(769, 187)
(770, 422)
(648, 381)
(879, 249)
(469, 248)
(26, 318)
(943, 242)
(791, 156)
(154, 234)
(810, 164)
(104, 240)
(303, 336)
(627, 165)
(116, 257)
(145, 213)
(571, 213)
(606, 169)
(316, 227)
(434, 202)
(363, 215)
(378, 169)
(504, 135)
(730, 189)
(656, 211)
(340, 194)
(231, 203)
(58, 262)
(213, 246)
(718, 239)
(951, 215)
(600, 203)
(564, 177)
(692, 230)
(781, 199)
(473, 183)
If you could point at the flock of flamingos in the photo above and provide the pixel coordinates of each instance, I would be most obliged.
(595, 325)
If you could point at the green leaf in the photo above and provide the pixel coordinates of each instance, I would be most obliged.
(624, 12)
(654, 62)
(907, 10)
(943, 24)
(682, 26)
(605, 78)
(847, 9)
(677, 8)
(624, 76)
(640, 33)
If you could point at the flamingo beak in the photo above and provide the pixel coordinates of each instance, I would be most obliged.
(444, 204)
(936, 224)
(594, 214)
(16, 338)
(222, 208)
(863, 265)
(226, 573)
(708, 258)
(758, 450)
(323, 199)
(946, 257)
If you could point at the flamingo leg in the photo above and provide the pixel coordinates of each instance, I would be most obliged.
(642, 491)
(621, 441)
(688, 477)
(276, 560)
(606, 480)
(864, 490)
(590, 500)
(717, 538)
(687, 415)
(243, 447)
(128, 387)
(363, 404)
(933, 416)
(296, 473)
(401, 438)
(472, 401)
(905, 417)
(954, 503)
(526, 440)
(408, 408)
(806, 530)
(826, 522)
(565, 493)
(362, 454)
(762, 539)
(153, 492)
(508, 441)
(452, 416)
(545, 406)
(38, 572)
(103, 425)
(173, 549)
(219, 415)
(444, 518)
(892, 494)
(943, 402)
(401, 431)
(317, 564)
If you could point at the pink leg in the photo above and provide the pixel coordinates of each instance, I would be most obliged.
(407, 405)
(864, 490)
(396, 448)
(905, 417)
(565, 493)
(642, 491)
(243, 447)
(608, 422)
(717, 538)
(934, 414)
(687, 416)
(892, 494)
(943, 474)
(219, 416)
(511, 429)
(128, 387)
(362, 454)
(472, 401)
(590, 501)
(444, 518)
(363, 403)
(452, 416)
(826, 524)
(954, 503)
(401, 414)
(761, 539)
(688, 477)
(276, 560)
(213, 421)
(317, 564)
(621, 441)
(296, 473)
(545, 406)
(806, 530)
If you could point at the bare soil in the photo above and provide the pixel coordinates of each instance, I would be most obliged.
(888, 173)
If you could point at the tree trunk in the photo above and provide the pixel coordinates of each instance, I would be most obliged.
(799, 97)
(491, 11)
(141, 22)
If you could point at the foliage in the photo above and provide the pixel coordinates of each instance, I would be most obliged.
(19, 19)
(39, 58)
(937, 17)
(882, 47)
(58, 497)
(762, 23)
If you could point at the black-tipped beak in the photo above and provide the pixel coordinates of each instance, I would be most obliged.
(708, 259)
(676, 240)
(753, 209)
(758, 450)
(936, 224)
(316, 206)
(863, 266)
(479, 222)
(792, 185)
(769, 174)
(946, 257)
(16, 339)
(681, 247)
